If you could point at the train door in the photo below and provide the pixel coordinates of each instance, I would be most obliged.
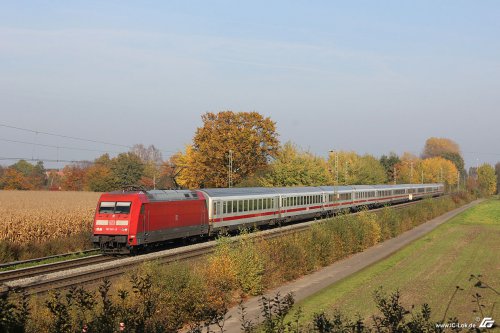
(144, 217)
(204, 218)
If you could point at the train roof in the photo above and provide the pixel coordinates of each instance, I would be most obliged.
(243, 191)
(239, 191)
(171, 195)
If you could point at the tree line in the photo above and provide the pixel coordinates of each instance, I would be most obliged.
(243, 149)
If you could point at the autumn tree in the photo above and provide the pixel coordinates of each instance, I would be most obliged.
(293, 167)
(151, 157)
(169, 171)
(99, 176)
(445, 148)
(13, 179)
(409, 169)
(487, 180)
(33, 174)
(246, 138)
(439, 170)
(73, 178)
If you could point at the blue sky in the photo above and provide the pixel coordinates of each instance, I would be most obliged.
(368, 76)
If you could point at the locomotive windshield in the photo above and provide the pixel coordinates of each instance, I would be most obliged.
(112, 207)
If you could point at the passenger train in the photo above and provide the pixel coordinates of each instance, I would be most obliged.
(126, 221)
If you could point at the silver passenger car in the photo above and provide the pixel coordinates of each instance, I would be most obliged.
(231, 208)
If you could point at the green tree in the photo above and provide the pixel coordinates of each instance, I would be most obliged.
(127, 169)
(388, 163)
(457, 159)
(354, 169)
(487, 180)
(293, 167)
(38, 176)
(497, 173)
(246, 138)
(23, 167)
(370, 171)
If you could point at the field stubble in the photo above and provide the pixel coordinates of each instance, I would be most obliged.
(38, 223)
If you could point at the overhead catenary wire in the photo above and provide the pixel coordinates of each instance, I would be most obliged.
(60, 147)
(71, 138)
(65, 136)
(48, 160)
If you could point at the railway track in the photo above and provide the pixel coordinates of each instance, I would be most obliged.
(9, 265)
(28, 272)
(92, 269)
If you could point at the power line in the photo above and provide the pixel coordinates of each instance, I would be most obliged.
(59, 147)
(75, 138)
(480, 153)
(64, 136)
(30, 159)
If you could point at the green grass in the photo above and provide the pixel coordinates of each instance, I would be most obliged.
(428, 271)
(49, 261)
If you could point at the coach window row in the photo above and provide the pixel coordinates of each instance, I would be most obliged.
(301, 200)
(370, 194)
(399, 191)
(385, 193)
(339, 196)
(240, 206)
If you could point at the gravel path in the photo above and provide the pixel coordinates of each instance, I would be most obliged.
(312, 283)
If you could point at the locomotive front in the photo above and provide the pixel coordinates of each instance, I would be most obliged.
(115, 221)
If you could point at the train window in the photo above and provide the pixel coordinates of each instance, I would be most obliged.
(229, 207)
(122, 207)
(250, 205)
(215, 208)
(224, 207)
(107, 207)
(259, 204)
(240, 206)
(271, 202)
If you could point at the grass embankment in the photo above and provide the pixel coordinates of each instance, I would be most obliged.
(428, 271)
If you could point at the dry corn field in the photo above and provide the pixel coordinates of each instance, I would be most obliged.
(38, 216)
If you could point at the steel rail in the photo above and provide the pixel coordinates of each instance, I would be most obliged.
(35, 260)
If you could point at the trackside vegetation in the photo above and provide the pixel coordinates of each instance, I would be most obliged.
(430, 270)
(165, 299)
